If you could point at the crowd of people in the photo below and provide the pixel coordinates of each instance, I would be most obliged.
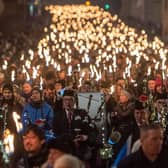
(84, 50)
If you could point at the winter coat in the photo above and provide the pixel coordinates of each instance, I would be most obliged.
(34, 161)
(40, 114)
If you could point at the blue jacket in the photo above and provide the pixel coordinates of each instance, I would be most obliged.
(42, 115)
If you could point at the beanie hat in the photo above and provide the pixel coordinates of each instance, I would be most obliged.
(105, 84)
(139, 105)
(37, 89)
(158, 82)
(60, 144)
(8, 87)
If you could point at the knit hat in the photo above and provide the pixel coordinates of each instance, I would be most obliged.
(37, 89)
(60, 144)
(158, 82)
(139, 105)
(8, 87)
(105, 84)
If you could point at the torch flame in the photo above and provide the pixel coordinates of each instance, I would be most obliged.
(12, 75)
(8, 142)
(16, 118)
(41, 83)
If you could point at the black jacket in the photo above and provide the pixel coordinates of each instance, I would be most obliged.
(81, 124)
(138, 160)
(35, 161)
(80, 121)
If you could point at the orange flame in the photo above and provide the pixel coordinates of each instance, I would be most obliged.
(16, 118)
(8, 141)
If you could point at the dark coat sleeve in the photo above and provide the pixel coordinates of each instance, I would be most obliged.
(130, 161)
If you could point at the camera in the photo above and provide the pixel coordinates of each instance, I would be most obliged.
(61, 92)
